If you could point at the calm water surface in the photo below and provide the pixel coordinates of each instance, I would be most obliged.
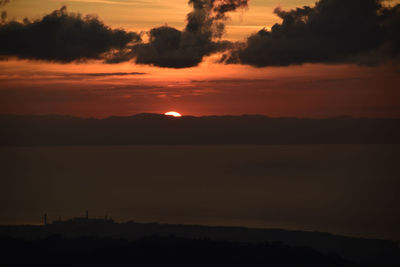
(344, 189)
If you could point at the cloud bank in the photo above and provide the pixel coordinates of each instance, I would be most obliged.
(334, 31)
(363, 32)
(170, 47)
(62, 37)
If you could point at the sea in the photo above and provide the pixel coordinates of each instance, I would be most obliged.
(349, 190)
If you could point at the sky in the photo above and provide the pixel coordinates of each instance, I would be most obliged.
(331, 58)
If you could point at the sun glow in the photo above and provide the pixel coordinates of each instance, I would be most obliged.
(173, 113)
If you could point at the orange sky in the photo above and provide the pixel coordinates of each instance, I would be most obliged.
(312, 90)
(141, 15)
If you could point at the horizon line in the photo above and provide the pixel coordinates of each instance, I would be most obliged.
(193, 116)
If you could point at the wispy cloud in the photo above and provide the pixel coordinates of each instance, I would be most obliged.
(105, 74)
(52, 75)
(233, 81)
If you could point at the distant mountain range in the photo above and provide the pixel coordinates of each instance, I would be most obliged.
(371, 252)
(157, 129)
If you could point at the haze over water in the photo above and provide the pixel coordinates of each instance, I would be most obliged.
(342, 189)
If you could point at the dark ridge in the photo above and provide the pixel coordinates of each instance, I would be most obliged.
(157, 129)
(315, 248)
(160, 251)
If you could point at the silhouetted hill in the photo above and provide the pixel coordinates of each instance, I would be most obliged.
(159, 251)
(365, 251)
(159, 129)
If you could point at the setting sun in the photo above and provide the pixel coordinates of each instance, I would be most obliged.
(286, 108)
(173, 113)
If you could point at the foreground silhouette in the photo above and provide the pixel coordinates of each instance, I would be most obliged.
(102, 241)
(159, 251)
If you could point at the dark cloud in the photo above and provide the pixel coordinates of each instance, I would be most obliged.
(3, 17)
(364, 32)
(4, 2)
(63, 37)
(169, 47)
(334, 31)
